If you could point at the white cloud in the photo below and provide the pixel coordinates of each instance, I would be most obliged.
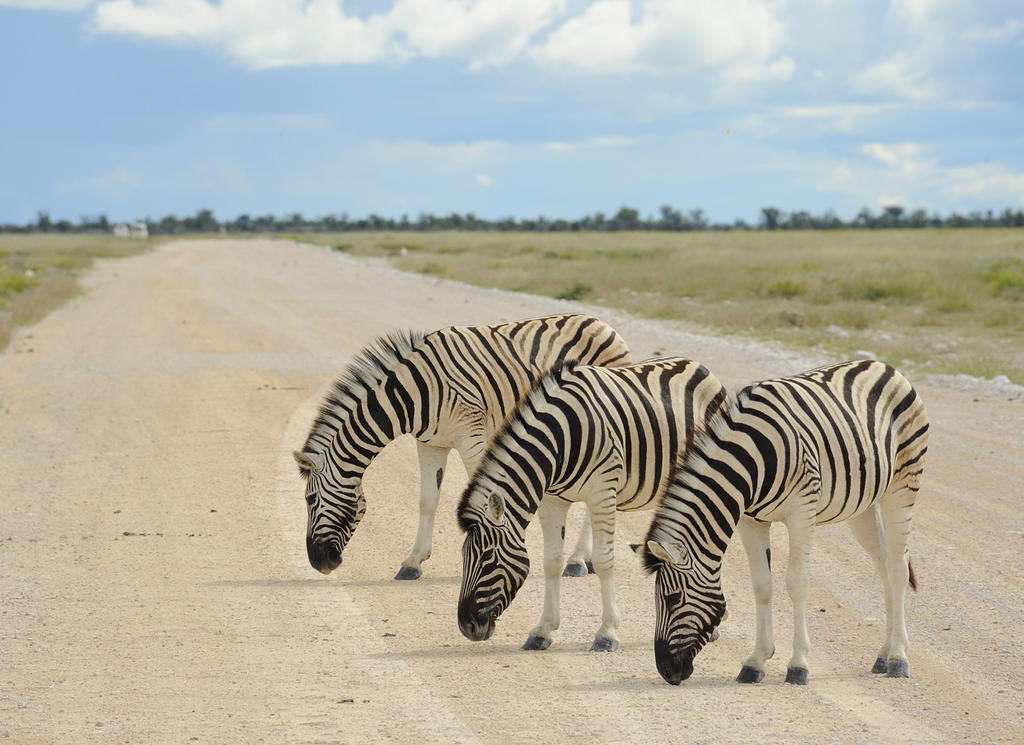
(903, 156)
(1010, 29)
(905, 75)
(738, 39)
(988, 181)
(591, 143)
(267, 33)
(842, 117)
(482, 179)
(65, 5)
(491, 32)
(902, 174)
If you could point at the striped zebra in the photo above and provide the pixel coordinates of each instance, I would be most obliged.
(450, 389)
(604, 436)
(839, 443)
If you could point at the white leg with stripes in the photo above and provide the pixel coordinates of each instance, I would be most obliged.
(800, 525)
(867, 529)
(579, 563)
(432, 462)
(602, 513)
(895, 509)
(551, 514)
(757, 543)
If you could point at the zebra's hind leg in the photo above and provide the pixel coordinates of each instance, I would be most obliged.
(895, 509)
(757, 543)
(867, 529)
(432, 462)
(602, 514)
(551, 514)
(579, 563)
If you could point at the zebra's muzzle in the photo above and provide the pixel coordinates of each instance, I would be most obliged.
(475, 623)
(324, 556)
(675, 667)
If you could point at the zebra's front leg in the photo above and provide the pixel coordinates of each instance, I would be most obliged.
(756, 538)
(801, 530)
(551, 514)
(432, 462)
(602, 515)
(579, 563)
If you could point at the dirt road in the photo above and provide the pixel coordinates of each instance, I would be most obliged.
(154, 586)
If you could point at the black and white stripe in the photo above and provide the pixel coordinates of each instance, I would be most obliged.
(604, 436)
(840, 443)
(450, 389)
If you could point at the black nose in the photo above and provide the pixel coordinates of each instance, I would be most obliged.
(674, 668)
(324, 556)
(474, 624)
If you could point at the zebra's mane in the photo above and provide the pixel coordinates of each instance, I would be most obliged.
(368, 368)
(705, 439)
(553, 377)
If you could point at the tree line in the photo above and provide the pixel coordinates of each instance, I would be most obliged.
(627, 218)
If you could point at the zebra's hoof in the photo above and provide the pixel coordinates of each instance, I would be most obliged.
(750, 675)
(604, 644)
(590, 567)
(534, 642)
(408, 573)
(897, 669)
(881, 666)
(574, 570)
(796, 676)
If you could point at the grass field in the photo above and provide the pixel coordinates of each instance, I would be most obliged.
(928, 301)
(37, 272)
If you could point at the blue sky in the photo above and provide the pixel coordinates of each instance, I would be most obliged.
(561, 108)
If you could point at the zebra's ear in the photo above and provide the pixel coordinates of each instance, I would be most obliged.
(672, 552)
(496, 508)
(637, 548)
(309, 462)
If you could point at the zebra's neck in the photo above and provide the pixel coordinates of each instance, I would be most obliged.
(375, 400)
(521, 464)
(709, 491)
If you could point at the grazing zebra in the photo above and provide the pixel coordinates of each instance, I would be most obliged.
(604, 436)
(450, 389)
(845, 442)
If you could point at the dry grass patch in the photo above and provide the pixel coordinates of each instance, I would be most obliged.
(925, 300)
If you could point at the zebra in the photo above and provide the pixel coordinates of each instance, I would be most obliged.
(845, 442)
(604, 436)
(450, 389)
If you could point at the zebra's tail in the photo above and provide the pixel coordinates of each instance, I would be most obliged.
(913, 579)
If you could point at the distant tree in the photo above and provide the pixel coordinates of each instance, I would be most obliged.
(770, 218)
(626, 218)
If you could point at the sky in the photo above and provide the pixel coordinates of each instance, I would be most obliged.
(508, 108)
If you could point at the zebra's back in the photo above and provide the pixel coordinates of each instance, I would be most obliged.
(860, 429)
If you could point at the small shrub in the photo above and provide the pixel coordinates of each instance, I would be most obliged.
(578, 291)
(343, 247)
(786, 288)
(1006, 276)
(432, 268)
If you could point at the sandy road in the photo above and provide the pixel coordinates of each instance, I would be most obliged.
(154, 586)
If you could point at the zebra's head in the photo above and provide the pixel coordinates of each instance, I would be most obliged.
(494, 566)
(333, 508)
(689, 605)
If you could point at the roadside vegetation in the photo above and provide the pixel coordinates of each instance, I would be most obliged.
(928, 301)
(38, 271)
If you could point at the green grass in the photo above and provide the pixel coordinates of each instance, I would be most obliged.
(38, 271)
(925, 300)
